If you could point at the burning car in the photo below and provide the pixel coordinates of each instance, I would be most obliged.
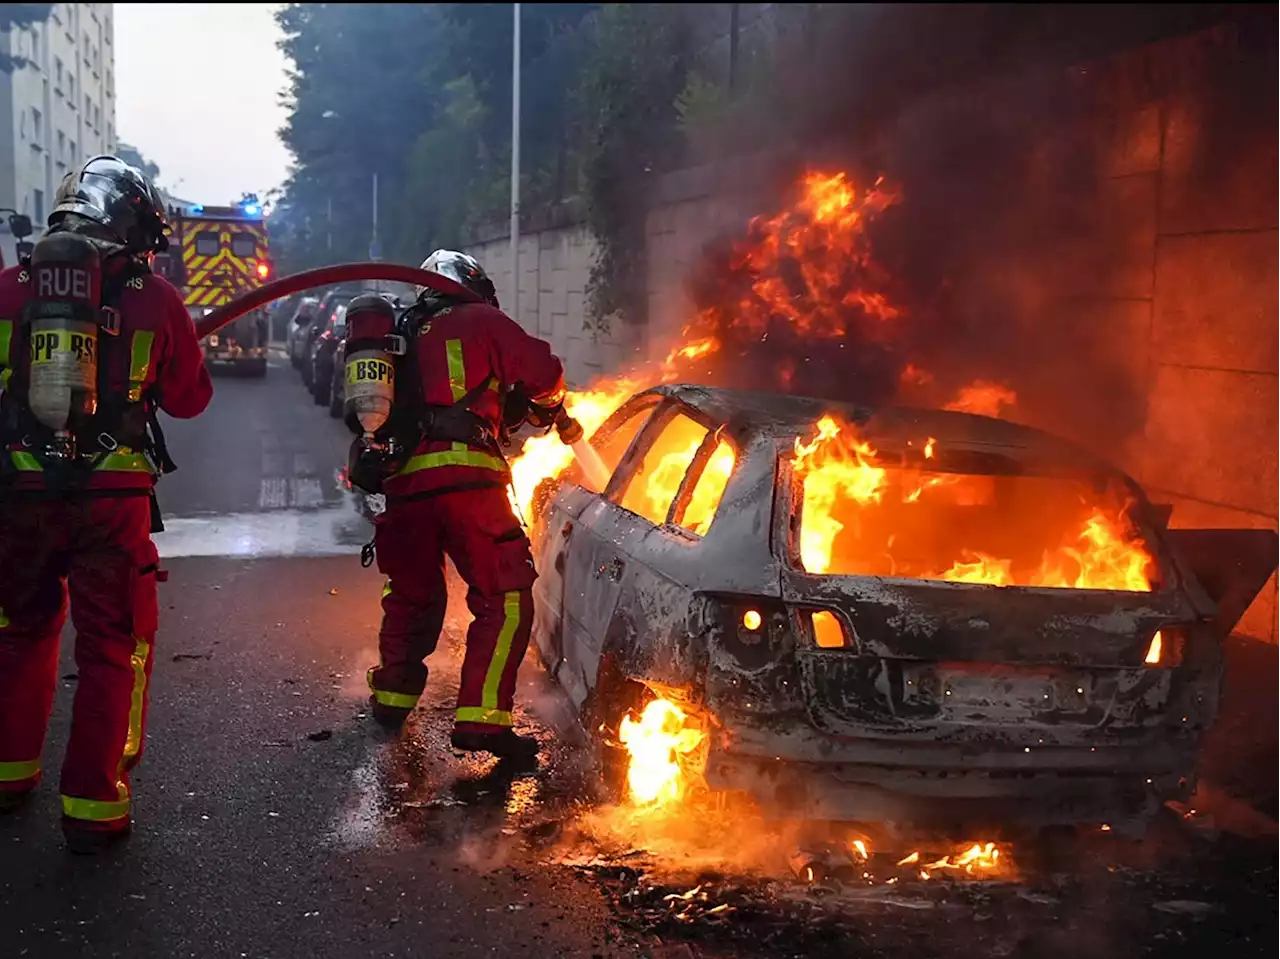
(898, 615)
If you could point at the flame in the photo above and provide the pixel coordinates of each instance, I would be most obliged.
(983, 398)
(842, 484)
(1155, 650)
(832, 470)
(656, 744)
(545, 457)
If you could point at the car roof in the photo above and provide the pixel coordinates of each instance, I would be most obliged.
(788, 416)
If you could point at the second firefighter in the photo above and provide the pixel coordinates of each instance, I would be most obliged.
(446, 494)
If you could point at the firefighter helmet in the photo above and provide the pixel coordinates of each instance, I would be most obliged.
(461, 268)
(117, 197)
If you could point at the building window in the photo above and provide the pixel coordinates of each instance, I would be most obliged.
(97, 116)
(87, 104)
(37, 121)
(62, 143)
(57, 74)
(37, 205)
(71, 91)
(72, 155)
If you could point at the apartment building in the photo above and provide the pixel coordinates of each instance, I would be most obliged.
(58, 109)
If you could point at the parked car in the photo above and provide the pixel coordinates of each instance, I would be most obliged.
(337, 389)
(240, 346)
(322, 352)
(845, 677)
(330, 300)
(304, 315)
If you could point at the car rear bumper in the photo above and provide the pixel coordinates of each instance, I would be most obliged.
(932, 783)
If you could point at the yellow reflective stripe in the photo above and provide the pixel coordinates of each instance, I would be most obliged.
(139, 363)
(457, 370)
(6, 342)
(4, 620)
(463, 457)
(502, 650)
(386, 589)
(121, 461)
(18, 771)
(479, 714)
(133, 741)
(396, 700)
(94, 810)
(384, 697)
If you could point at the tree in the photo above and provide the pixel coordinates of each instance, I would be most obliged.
(19, 16)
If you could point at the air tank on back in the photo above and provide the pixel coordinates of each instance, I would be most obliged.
(369, 373)
(64, 311)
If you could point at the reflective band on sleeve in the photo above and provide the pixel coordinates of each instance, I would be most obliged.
(395, 700)
(386, 589)
(478, 714)
(457, 370)
(6, 339)
(501, 650)
(552, 397)
(139, 363)
(463, 457)
(25, 462)
(16, 772)
(94, 810)
(133, 740)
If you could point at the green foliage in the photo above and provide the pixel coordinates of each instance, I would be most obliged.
(628, 88)
(19, 16)
(421, 95)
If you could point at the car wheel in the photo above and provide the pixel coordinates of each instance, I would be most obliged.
(613, 697)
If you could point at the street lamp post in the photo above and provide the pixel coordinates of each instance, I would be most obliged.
(515, 162)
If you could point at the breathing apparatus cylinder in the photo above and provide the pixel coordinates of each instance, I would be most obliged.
(369, 373)
(64, 315)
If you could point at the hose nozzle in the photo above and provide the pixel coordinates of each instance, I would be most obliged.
(569, 429)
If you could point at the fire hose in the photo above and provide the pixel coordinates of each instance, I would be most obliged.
(568, 429)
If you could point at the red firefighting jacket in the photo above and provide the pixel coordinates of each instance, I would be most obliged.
(160, 359)
(457, 349)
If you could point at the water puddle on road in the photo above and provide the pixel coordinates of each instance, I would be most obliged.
(323, 532)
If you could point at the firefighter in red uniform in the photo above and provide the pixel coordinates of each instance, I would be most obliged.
(76, 498)
(448, 496)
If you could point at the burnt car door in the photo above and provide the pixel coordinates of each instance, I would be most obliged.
(557, 537)
(623, 600)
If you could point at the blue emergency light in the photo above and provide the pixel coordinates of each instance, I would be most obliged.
(251, 209)
(196, 208)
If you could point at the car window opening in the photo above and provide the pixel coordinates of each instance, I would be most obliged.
(653, 487)
(860, 514)
(708, 490)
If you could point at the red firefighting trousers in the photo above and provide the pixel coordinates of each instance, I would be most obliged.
(100, 551)
(477, 530)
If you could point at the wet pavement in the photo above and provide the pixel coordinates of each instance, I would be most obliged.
(274, 820)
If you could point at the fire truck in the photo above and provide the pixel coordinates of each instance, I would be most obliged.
(216, 253)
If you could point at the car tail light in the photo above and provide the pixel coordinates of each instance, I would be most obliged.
(1165, 649)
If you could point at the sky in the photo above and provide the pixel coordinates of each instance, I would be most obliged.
(197, 92)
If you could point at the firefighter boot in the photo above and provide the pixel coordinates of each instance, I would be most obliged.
(83, 840)
(11, 802)
(507, 744)
(388, 717)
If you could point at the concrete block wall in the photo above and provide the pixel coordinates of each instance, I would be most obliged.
(1184, 279)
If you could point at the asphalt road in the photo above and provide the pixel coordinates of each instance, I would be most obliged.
(274, 820)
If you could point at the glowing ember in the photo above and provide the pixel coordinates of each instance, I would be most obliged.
(656, 745)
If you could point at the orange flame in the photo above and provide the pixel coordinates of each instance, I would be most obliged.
(983, 398)
(842, 484)
(656, 744)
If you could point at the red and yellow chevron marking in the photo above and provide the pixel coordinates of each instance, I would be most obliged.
(212, 280)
